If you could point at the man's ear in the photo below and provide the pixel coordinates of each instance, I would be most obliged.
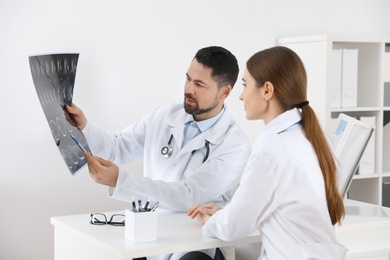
(268, 90)
(225, 91)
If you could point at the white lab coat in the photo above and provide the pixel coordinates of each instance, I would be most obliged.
(181, 181)
(282, 195)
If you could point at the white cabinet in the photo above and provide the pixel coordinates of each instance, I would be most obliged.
(373, 97)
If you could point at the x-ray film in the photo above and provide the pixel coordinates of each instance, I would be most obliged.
(54, 77)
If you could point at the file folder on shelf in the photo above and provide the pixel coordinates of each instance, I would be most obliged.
(349, 78)
(336, 74)
(386, 67)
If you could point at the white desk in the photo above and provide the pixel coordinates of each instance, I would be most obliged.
(76, 238)
(365, 232)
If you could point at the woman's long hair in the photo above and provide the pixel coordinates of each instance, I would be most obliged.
(285, 70)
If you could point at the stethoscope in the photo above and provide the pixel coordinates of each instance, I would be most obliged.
(167, 151)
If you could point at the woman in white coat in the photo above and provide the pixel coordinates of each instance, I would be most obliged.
(288, 190)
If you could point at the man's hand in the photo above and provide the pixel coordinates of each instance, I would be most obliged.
(203, 212)
(102, 171)
(78, 116)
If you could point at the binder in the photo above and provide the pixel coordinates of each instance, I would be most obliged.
(336, 73)
(386, 96)
(367, 163)
(386, 194)
(349, 77)
(349, 141)
(386, 67)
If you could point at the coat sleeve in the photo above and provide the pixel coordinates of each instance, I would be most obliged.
(117, 146)
(213, 181)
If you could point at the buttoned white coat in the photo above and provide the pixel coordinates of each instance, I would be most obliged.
(281, 194)
(182, 180)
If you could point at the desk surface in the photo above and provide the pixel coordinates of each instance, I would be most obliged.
(176, 233)
(366, 228)
(365, 231)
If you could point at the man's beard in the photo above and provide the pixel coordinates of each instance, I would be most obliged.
(195, 110)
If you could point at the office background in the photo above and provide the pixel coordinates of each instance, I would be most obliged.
(133, 57)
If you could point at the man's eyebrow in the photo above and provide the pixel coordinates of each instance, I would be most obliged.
(198, 81)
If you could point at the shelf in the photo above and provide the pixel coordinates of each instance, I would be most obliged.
(317, 53)
(365, 190)
(355, 109)
(335, 38)
(366, 176)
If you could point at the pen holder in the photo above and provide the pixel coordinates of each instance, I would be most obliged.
(141, 226)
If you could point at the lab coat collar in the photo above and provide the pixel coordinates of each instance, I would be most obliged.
(214, 134)
(205, 124)
(283, 121)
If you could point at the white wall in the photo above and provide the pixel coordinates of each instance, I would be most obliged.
(133, 57)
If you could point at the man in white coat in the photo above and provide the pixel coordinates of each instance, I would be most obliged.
(191, 156)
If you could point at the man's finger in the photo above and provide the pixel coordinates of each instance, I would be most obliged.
(103, 161)
(93, 162)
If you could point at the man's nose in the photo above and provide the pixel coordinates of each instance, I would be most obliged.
(189, 87)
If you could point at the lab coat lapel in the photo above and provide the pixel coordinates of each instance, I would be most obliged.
(196, 143)
(214, 135)
(176, 122)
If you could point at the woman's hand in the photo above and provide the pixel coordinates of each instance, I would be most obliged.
(203, 212)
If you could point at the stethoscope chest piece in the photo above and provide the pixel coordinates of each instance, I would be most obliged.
(167, 151)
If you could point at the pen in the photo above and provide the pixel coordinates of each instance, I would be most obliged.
(134, 206)
(154, 207)
(78, 143)
(140, 206)
(146, 207)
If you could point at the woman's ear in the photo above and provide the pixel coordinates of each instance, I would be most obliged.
(268, 90)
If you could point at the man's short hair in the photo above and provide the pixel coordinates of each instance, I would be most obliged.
(223, 63)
